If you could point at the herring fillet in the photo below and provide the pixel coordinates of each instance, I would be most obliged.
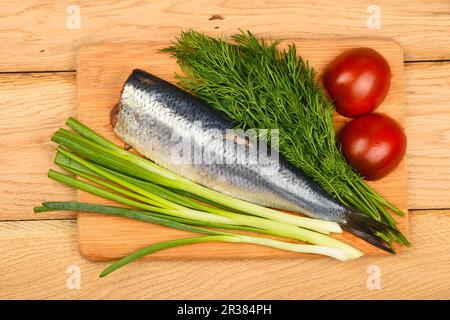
(154, 117)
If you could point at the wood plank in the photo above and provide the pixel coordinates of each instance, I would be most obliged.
(33, 107)
(101, 72)
(37, 38)
(427, 127)
(35, 256)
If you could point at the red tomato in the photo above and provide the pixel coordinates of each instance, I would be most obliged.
(357, 81)
(373, 144)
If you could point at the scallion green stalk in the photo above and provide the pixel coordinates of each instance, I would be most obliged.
(293, 247)
(275, 227)
(214, 235)
(189, 214)
(160, 197)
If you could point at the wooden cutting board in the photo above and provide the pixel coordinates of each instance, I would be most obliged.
(102, 70)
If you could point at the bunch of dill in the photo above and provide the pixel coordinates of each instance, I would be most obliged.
(260, 86)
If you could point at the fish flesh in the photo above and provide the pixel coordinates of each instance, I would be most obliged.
(153, 116)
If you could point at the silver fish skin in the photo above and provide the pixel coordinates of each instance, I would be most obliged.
(151, 112)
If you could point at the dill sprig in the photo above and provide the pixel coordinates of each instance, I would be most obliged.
(259, 86)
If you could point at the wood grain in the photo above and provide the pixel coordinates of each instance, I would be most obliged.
(32, 107)
(101, 72)
(36, 254)
(36, 36)
(427, 127)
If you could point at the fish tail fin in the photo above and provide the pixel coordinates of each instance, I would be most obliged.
(365, 227)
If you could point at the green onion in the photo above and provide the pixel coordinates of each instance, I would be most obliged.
(156, 195)
(275, 227)
(234, 218)
(186, 213)
(160, 246)
(146, 216)
(301, 248)
(215, 235)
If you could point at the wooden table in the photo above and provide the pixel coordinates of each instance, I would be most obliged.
(39, 41)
